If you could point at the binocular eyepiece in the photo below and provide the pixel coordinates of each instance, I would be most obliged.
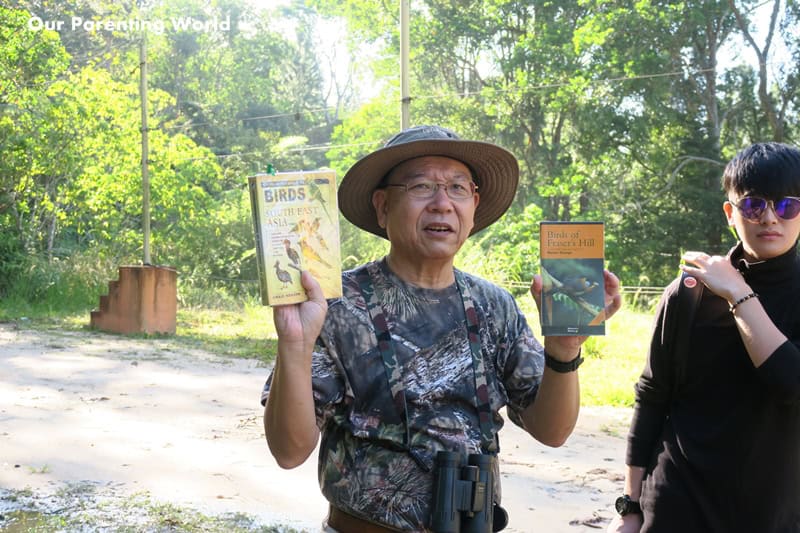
(463, 494)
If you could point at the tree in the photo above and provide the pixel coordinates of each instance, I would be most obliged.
(31, 131)
(776, 95)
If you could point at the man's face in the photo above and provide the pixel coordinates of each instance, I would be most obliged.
(426, 228)
(763, 238)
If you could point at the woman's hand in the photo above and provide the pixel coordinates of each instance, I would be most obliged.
(717, 273)
(630, 523)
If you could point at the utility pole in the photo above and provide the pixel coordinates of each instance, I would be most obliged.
(145, 150)
(405, 98)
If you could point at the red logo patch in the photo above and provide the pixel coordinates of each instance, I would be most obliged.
(689, 282)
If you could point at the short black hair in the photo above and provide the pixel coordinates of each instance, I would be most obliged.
(769, 169)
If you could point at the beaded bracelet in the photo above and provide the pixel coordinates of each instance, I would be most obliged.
(742, 300)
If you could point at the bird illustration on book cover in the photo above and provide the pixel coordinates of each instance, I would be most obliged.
(314, 186)
(283, 276)
(292, 254)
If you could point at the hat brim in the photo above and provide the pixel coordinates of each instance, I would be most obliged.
(495, 170)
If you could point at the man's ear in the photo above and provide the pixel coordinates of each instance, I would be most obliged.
(379, 203)
(728, 208)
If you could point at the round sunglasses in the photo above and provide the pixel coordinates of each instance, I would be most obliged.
(753, 207)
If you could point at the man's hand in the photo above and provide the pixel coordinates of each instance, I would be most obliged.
(552, 416)
(299, 325)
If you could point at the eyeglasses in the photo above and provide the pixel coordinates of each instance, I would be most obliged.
(753, 207)
(423, 190)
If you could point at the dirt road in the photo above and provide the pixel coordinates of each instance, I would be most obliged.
(145, 415)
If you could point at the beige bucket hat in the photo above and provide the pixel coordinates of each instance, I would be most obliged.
(494, 169)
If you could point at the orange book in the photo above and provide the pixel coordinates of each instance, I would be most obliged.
(573, 291)
(296, 223)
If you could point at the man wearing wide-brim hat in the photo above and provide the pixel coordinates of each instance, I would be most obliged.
(417, 357)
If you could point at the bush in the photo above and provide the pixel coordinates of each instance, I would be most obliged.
(507, 252)
(12, 262)
(43, 286)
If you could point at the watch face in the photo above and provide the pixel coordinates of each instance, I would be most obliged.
(624, 505)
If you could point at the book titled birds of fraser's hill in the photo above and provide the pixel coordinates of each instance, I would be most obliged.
(573, 291)
(296, 224)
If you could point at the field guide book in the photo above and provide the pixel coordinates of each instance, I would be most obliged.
(296, 223)
(573, 291)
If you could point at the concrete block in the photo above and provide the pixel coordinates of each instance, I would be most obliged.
(143, 300)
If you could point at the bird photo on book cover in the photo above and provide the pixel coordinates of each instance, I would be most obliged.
(573, 295)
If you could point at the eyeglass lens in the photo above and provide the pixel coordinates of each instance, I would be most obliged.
(457, 190)
(753, 207)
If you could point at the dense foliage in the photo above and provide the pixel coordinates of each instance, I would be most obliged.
(622, 111)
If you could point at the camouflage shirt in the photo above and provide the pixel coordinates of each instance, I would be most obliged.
(363, 466)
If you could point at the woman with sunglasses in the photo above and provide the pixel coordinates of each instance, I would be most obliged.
(718, 449)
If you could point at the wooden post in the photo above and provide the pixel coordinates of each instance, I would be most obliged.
(405, 99)
(145, 150)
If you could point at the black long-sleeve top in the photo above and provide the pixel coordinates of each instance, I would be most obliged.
(722, 448)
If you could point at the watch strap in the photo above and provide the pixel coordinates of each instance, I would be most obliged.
(561, 366)
(634, 507)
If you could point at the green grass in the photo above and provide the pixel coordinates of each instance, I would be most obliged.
(613, 362)
(248, 333)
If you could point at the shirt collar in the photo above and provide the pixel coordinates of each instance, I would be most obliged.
(774, 270)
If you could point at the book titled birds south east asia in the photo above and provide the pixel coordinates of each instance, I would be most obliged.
(296, 224)
(573, 291)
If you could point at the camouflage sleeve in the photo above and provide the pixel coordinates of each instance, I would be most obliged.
(327, 379)
(522, 367)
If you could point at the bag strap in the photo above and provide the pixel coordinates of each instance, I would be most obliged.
(690, 289)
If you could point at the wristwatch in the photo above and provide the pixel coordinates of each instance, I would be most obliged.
(624, 505)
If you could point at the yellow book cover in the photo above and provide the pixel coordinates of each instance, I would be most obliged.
(573, 289)
(296, 223)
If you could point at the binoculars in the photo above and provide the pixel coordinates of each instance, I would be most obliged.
(463, 494)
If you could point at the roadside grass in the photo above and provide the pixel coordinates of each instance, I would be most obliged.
(612, 362)
(246, 333)
(86, 506)
(615, 361)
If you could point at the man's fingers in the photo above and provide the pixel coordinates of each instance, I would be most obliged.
(536, 289)
(312, 286)
(613, 296)
(694, 257)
